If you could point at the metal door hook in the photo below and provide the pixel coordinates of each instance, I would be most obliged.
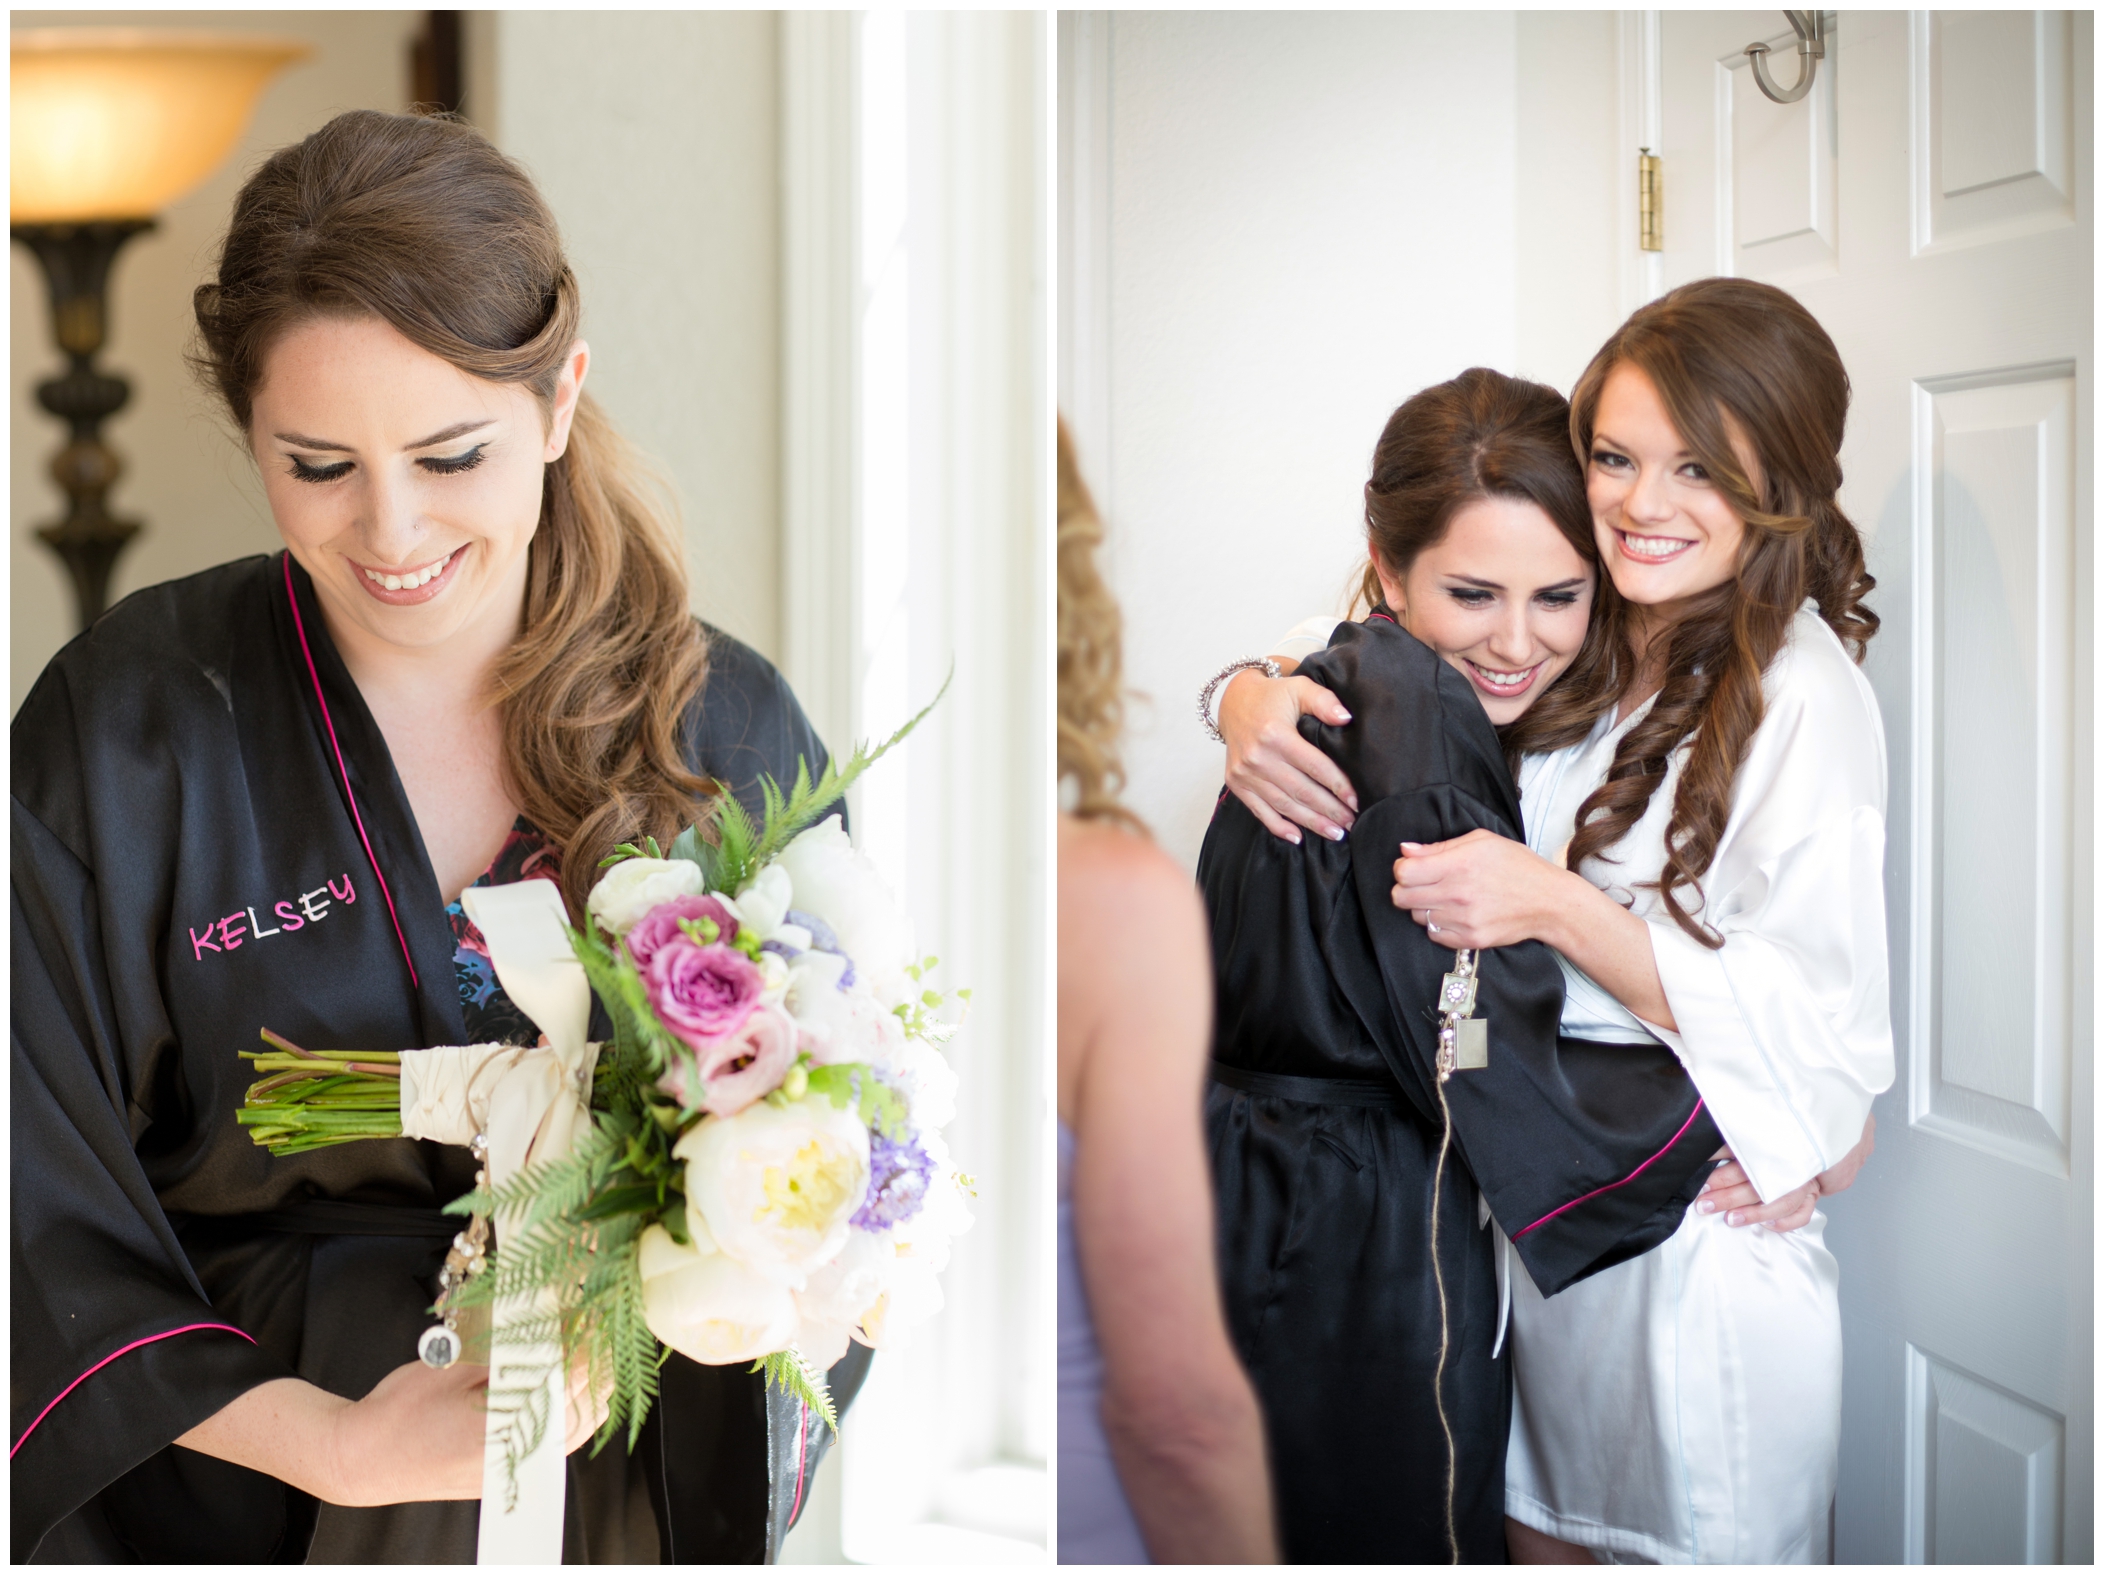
(1811, 49)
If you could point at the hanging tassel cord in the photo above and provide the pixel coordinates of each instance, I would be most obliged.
(1457, 1000)
(1446, 1137)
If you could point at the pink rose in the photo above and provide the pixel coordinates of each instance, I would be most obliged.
(732, 1073)
(661, 924)
(701, 993)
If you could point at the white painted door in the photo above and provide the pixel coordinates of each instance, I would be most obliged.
(1930, 202)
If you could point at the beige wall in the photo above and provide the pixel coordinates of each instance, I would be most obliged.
(1300, 220)
(185, 477)
(653, 136)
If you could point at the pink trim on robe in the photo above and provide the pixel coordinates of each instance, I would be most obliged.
(300, 625)
(99, 1366)
(1647, 1164)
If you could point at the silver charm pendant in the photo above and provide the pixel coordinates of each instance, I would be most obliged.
(440, 1346)
(1464, 1040)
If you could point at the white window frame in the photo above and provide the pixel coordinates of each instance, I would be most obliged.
(916, 493)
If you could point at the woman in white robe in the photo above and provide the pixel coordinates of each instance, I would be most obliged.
(1728, 1457)
(1685, 1406)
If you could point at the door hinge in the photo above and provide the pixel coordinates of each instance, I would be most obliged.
(1650, 231)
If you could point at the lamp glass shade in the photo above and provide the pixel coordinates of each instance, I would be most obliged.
(117, 123)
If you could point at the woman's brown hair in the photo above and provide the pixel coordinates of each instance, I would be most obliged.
(1486, 435)
(1729, 358)
(421, 223)
(1091, 660)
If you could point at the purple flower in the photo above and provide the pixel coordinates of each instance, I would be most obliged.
(702, 994)
(824, 940)
(899, 1173)
(661, 924)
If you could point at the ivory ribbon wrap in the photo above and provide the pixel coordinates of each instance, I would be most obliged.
(533, 1103)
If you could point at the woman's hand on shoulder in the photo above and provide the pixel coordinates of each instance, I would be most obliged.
(1286, 781)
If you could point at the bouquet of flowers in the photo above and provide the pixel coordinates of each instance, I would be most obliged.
(763, 1175)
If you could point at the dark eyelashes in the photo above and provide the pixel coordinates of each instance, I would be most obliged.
(453, 466)
(1621, 461)
(1481, 599)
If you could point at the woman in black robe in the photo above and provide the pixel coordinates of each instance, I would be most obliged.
(217, 828)
(1327, 1115)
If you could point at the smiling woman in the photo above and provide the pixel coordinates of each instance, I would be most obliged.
(473, 663)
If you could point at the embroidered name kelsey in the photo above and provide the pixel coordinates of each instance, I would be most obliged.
(239, 928)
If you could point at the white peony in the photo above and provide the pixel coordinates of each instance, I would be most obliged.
(838, 1025)
(763, 903)
(929, 1082)
(708, 1306)
(942, 1218)
(834, 1299)
(634, 886)
(775, 1184)
(911, 1297)
(920, 1252)
(774, 979)
(836, 883)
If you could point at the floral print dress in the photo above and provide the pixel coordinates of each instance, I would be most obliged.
(492, 1016)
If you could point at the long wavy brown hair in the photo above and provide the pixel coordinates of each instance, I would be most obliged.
(1728, 356)
(420, 222)
(1486, 435)
(1091, 657)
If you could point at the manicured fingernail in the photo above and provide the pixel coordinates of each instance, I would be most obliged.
(1735, 1218)
(1343, 717)
(1335, 833)
(1296, 839)
(1705, 1208)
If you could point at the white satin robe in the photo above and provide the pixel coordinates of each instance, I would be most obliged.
(1684, 1407)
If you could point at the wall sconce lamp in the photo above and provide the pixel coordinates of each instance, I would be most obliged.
(109, 126)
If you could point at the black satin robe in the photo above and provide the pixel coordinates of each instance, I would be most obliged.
(188, 867)
(1324, 1124)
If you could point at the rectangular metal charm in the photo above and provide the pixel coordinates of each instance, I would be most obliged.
(1457, 993)
(1472, 1044)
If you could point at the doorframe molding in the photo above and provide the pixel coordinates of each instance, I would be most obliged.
(1084, 243)
(1640, 91)
(820, 109)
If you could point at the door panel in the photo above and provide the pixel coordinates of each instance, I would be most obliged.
(1986, 1467)
(1994, 131)
(1995, 598)
(1929, 201)
(1776, 167)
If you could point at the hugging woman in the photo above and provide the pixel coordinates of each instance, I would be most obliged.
(1357, 1153)
(252, 798)
(1703, 848)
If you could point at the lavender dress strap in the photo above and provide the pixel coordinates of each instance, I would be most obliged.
(1095, 1521)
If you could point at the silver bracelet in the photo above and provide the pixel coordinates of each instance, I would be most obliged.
(1205, 695)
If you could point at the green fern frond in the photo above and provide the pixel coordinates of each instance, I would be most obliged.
(525, 1407)
(792, 1372)
(808, 800)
